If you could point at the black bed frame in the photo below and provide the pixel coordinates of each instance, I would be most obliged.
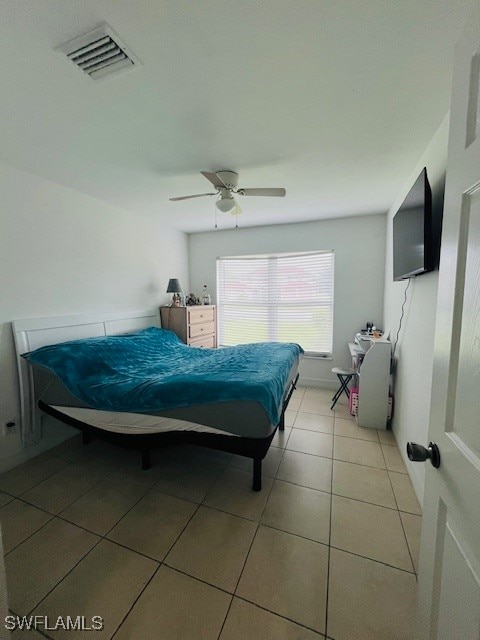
(255, 448)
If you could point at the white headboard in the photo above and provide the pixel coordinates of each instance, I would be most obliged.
(33, 333)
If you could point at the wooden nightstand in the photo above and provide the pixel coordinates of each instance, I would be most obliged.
(196, 326)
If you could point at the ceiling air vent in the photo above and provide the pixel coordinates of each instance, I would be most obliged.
(100, 53)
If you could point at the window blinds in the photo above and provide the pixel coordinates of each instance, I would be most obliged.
(284, 297)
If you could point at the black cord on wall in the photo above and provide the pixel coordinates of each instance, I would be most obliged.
(401, 317)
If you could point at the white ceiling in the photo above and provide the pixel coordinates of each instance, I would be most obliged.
(335, 100)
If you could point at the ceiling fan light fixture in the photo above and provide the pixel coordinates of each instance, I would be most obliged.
(225, 205)
(226, 186)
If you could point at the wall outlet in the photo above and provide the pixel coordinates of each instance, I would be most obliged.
(10, 426)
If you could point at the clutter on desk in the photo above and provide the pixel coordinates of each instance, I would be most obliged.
(372, 330)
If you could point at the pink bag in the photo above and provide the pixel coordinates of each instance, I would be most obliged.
(353, 401)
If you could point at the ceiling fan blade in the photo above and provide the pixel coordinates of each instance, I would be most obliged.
(214, 179)
(199, 195)
(262, 192)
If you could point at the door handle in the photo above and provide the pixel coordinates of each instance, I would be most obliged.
(417, 453)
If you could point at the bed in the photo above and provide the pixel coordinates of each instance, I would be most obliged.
(154, 390)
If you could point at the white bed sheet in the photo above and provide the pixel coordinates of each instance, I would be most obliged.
(134, 423)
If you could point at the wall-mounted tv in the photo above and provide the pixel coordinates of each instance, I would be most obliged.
(413, 251)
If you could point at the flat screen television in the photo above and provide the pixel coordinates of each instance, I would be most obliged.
(412, 232)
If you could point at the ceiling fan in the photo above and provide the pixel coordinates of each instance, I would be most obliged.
(226, 185)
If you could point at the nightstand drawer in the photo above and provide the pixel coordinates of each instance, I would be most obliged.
(205, 329)
(198, 315)
(207, 342)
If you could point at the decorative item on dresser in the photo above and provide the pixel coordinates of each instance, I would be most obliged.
(196, 326)
(206, 299)
(175, 288)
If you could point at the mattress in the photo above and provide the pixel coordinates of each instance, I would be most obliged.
(241, 418)
(152, 371)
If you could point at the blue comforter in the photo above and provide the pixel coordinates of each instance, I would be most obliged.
(152, 370)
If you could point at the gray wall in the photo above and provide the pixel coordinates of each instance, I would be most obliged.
(359, 246)
(413, 377)
(64, 253)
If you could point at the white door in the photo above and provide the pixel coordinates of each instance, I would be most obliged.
(449, 577)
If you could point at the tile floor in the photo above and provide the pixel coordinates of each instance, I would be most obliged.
(327, 549)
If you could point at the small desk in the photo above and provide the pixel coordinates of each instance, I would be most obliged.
(373, 371)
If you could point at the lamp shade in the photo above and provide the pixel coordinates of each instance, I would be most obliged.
(174, 286)
(225, 205)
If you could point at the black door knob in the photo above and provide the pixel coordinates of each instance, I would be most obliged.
(417, 453)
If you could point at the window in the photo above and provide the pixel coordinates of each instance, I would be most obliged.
(284, 297)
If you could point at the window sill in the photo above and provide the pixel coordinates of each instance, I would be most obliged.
(317, 356)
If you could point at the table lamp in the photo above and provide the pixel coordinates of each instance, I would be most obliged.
(175, 288)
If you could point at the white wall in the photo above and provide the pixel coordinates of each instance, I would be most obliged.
(413, 378)
(63, 253)
(359, 245)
